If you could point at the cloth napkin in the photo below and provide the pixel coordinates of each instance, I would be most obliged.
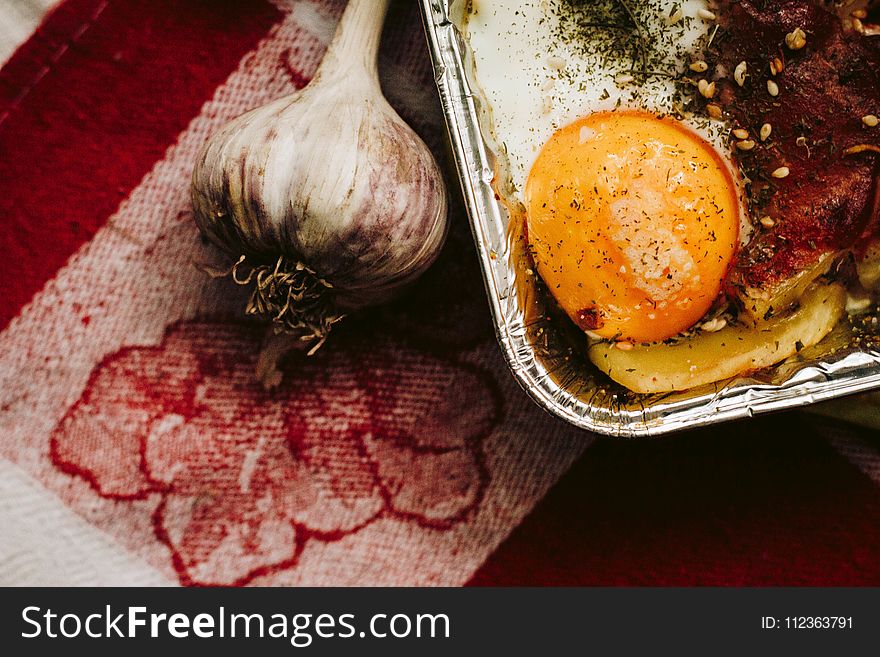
(137, 448)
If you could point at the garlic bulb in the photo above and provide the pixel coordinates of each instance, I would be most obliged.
(328, 201)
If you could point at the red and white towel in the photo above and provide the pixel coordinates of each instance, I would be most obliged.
(136, 447)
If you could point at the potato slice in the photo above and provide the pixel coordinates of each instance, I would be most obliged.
(709, 357)
(869, 267)
(763, 303)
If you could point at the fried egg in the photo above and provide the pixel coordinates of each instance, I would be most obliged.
(634, 221)
(634, 217)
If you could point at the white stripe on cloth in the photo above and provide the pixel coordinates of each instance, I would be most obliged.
(18, 19)
(72, 553)
(134, 279)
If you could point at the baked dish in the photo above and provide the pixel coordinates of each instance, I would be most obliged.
(695, 184)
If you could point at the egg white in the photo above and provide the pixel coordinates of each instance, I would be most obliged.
(535, 82)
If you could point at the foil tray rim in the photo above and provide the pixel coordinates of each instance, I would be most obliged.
(814, 382)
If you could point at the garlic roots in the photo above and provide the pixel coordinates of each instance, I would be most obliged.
(326, 200)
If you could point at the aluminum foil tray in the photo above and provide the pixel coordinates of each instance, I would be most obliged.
(554, 374)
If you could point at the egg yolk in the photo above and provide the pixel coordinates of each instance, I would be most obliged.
(633, 221)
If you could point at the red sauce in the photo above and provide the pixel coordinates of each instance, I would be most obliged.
(830, 201)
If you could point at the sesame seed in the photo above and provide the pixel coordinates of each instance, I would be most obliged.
(556, 63)
(796, 39)
(772, 88)
(706, 15)
(858, 26)
(714, 325)
(739, 74)
(624, 79)
(766, 129)
(699, 66)
(624, 346)
(706, 88)
(777, 66)
(714, 111)
(781, 172)
(740, 133)
(767, 222)
(870, 121)
(676, 16)
(745, 145)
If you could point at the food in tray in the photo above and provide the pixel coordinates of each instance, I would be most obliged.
(699, 180)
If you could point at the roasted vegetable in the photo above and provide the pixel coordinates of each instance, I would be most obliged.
(735, 349)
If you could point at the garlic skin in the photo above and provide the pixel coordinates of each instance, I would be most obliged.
(327, 194)
(337, 182)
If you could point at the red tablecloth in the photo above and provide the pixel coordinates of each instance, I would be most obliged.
(136, 447)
